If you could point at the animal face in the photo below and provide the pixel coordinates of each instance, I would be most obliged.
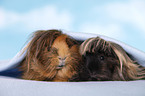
(55, 58)
(61, 58)
(61, 52)
(100, 66)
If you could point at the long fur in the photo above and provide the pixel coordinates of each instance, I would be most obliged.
(51, 56)
(106, 60)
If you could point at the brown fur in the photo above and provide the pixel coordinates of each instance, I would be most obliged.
(106, 60)
(51, 56)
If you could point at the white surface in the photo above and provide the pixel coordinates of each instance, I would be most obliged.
(9, 64)
(16, 87)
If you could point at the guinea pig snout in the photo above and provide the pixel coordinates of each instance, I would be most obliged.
(61, 62)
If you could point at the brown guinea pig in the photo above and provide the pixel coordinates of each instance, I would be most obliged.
(106, 60)
(51, 56)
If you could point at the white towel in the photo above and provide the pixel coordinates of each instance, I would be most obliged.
(137, 55)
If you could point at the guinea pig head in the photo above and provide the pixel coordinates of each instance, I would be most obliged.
(100, 60)
(106, 60)
(51, 56)
(100, 66)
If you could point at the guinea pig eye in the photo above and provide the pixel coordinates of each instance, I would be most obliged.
(102, 58)
(48, 49)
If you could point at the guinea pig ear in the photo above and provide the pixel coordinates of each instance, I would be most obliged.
(70, 42)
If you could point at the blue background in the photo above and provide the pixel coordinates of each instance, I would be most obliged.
(123, 20)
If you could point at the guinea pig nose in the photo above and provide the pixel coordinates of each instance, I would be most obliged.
(61, 64)
(60, 58)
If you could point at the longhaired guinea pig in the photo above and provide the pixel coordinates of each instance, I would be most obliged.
(106, 60)
(51, 56)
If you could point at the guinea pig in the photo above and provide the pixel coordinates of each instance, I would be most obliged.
(108, 61)
(51, 56)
